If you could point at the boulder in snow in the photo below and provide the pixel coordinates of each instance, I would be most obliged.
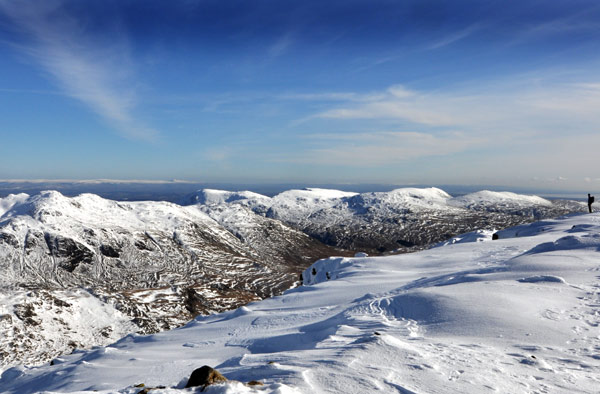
(205, 376)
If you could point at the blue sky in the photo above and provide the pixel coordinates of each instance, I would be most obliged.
(428, 92)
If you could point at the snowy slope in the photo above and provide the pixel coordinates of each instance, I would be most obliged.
(517, 314)
(39, 324)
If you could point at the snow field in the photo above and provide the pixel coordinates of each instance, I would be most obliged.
(518, 314)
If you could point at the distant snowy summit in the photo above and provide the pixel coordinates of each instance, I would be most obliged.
(404, 219)
(507, 201)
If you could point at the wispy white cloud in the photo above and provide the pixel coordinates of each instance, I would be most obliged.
(331, 96)
(32, 91)
(581, 20)
(506, 129)
(455, 37)
(382, 148)
(93, 72)
(386, 58)
(219, 154)
(281, 45)
(398, 103)
(518, 107)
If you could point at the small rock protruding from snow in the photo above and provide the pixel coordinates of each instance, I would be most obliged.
(205, 376)
(324, 270)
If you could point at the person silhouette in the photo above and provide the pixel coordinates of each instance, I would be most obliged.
(590, 202)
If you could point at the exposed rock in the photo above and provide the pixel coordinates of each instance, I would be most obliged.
(205, 376)
(146, 390)
(195, 303)
(72, 251)
(109, 251)
(26, 313)
(33, 239)
(9, 239)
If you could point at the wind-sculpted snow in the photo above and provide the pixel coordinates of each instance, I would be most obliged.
(474, 236)
(470, 317)
(158, 263)
(584, 241)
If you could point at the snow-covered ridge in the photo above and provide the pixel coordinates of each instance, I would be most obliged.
(11, 200)
(318, 198)
(73, 214)
(313, 193)
(315, 198)
(213, 196)
(516, 314)
(399, 220)
(486, 198)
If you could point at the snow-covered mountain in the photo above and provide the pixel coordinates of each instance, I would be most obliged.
(404, 219)
(157, 264)
(516, 314)
(153, 266)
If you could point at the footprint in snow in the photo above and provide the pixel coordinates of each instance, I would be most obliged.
(551, 315)
(536, 362)
(454, 375)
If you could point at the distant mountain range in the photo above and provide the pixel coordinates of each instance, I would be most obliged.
(82, 271)
(401, 220)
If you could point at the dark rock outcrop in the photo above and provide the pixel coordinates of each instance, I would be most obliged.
(109, 251)
(73, 252)
(205, 376)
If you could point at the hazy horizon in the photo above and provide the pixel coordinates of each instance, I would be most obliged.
(176, 191)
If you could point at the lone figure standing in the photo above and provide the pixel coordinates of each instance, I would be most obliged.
(590, 202)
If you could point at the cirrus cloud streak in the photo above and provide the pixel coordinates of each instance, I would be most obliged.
(92, 71)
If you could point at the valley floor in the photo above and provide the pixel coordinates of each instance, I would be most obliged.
(520, 314)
